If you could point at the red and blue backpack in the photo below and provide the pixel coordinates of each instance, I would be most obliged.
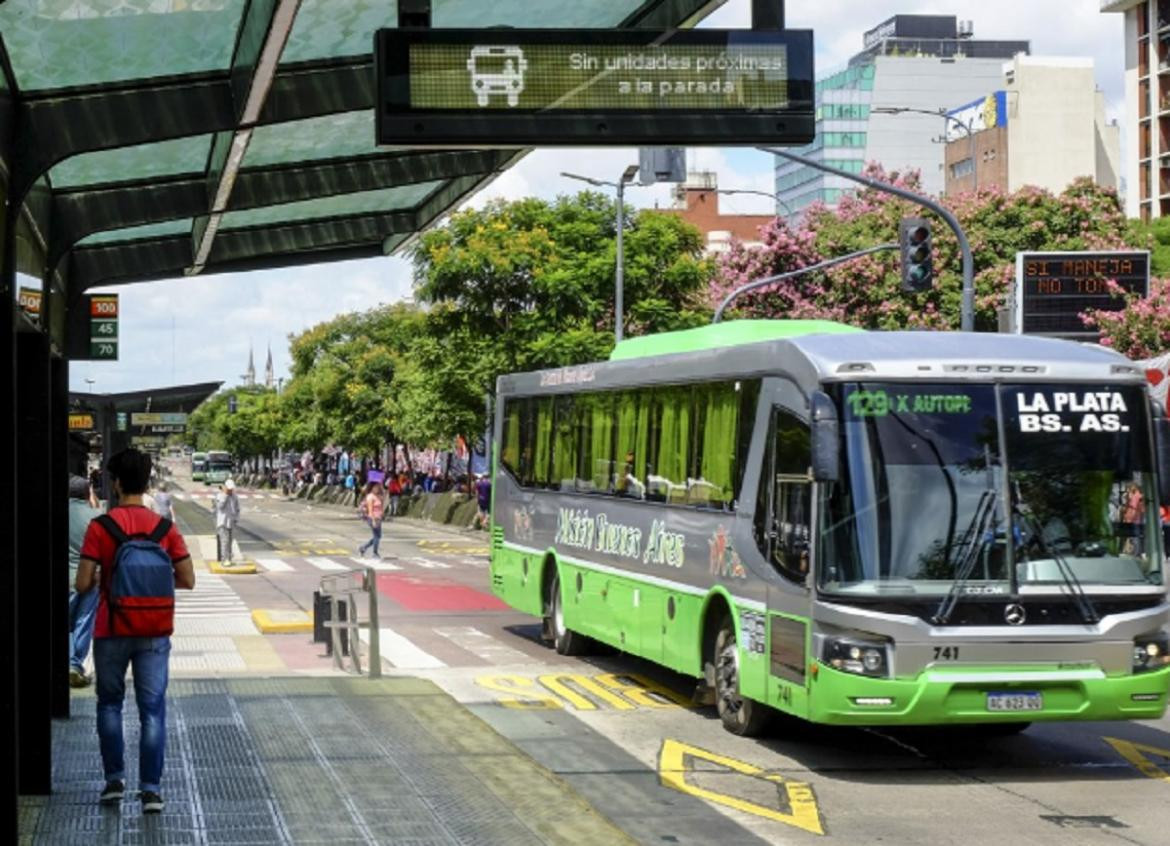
(140, 596)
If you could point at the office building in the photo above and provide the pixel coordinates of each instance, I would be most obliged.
(1045, 127)
(912, 62)
(1145, 167)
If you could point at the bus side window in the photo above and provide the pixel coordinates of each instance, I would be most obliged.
(784, 504)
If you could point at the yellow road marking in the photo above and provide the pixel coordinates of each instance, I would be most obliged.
(672, 772)
(1132, 752)
(282, 622)
(616, 691)
(452, 548)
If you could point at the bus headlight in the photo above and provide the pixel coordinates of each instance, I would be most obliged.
(1151, 652)
(857, 656)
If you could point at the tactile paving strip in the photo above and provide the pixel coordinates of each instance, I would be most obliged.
(312, 760)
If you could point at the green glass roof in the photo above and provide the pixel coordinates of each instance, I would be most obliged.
(365, 202)
(63, 43)
(729, 333)
(133, 108)
(143, 161)
(329, 136)
(137, 233)
(329, 28)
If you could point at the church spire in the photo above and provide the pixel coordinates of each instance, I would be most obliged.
(269, 372)
(250, 373)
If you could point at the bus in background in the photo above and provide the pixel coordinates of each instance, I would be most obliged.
(219, 467)
(198, 466)
(856, 528)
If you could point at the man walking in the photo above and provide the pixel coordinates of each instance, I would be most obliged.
(81, 605)
(227, 515)
(130, 537)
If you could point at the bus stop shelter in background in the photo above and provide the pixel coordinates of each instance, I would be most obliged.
(142, 141)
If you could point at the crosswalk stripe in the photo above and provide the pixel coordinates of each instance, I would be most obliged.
(403, 653)
(375, 563)
(325, 563)
(430, 564)
(482, 645)
(274, 565)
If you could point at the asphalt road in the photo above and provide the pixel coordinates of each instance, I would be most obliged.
(623, 733)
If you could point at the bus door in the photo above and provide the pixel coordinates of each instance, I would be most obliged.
(783, 533)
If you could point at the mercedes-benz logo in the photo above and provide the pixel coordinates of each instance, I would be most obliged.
(1015, 614)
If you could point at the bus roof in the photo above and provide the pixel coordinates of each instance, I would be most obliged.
(729, 334)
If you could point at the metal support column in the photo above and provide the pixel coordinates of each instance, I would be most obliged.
(34, 610)
(59, 534)
(767, 14)
(9, 733)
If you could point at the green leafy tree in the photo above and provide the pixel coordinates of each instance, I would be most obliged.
(530, 284)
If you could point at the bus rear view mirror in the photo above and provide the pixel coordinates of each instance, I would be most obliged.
(1162, 453)
(825, 439)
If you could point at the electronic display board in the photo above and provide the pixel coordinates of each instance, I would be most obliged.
(548, 87)
(1054, 289)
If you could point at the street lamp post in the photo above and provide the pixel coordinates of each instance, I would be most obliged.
(898, 110)
(619, 271)
(775, 197)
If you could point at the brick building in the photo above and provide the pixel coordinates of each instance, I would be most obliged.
(697, 202)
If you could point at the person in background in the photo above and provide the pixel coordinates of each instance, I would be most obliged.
(82, 606)
(394, 490)
(163, 505)
(483, 498)
(227, 515)
(371, 510)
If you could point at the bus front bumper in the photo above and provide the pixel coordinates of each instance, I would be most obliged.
(962, 696)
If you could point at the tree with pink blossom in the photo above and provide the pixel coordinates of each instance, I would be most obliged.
(867, 292)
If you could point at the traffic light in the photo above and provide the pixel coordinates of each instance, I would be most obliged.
(914, 240)
(231, 403)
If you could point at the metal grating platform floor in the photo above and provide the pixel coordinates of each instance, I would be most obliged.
(313, 760)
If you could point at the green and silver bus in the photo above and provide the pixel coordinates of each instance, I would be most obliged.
(219, 467)
(198, 466)
(856, 528)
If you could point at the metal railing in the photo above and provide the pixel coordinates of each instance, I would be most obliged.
(341, 590)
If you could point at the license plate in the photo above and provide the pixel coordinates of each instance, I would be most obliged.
(1015, 702)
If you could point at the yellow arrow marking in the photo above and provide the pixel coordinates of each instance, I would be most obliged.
(1132, 752)
(673, 769)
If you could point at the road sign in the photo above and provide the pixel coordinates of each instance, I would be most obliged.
(103, 350)
(80, 421)
(147, 440)
(149, 418)
(528, 87)
(121, 421)
(29, 300)
(1054, 289)
(166, 429)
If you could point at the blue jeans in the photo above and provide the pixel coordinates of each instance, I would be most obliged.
(82, 610)
(150, 657)
(375, 536)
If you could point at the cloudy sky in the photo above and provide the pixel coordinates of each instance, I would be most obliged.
(201, 329)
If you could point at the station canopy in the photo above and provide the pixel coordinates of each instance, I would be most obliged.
(164, 138)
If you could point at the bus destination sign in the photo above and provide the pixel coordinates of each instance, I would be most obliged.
(1054, 289)
(518, 87)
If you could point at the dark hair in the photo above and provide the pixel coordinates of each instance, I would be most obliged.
(132, 469)
(78, 487)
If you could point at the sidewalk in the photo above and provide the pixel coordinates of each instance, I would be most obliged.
(300, 760)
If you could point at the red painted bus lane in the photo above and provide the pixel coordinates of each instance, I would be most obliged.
(419, 593)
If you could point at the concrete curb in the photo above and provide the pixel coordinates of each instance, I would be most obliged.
(282, 622)
(244, 568)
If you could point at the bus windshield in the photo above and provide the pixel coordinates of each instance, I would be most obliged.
(945, 482)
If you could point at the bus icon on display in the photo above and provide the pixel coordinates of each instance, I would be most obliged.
(497, 70)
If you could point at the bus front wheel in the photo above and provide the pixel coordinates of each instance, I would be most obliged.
(564, 640)
(739, 715)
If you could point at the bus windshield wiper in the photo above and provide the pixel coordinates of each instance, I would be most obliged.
(1084, 605)
(972, 544)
